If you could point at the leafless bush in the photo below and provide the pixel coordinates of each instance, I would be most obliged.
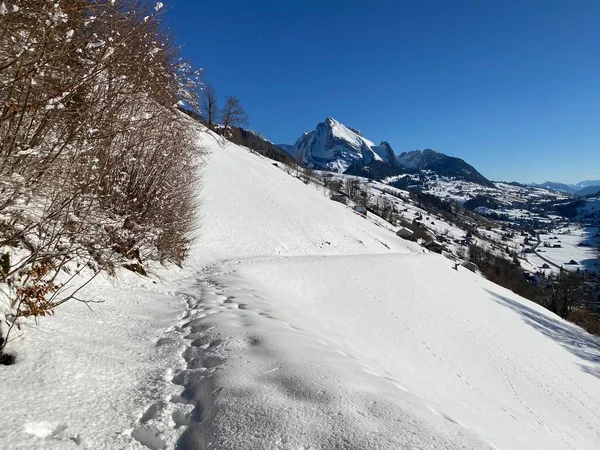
(306, 174)
(565, 292)
(419, 232)
(586, 319)
(289, 167)
(97, 164)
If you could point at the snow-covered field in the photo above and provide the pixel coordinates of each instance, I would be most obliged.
(569, 238)
(299, 324)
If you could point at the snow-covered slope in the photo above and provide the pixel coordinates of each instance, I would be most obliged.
(337, 341)
(335, 147)
(441, 164)
(590, 210)
(510, 196)
(590, 190)
(308, 326)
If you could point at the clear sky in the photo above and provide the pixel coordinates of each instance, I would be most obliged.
(511, 86)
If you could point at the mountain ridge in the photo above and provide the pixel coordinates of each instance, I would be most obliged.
(335, 147)
(575, 188)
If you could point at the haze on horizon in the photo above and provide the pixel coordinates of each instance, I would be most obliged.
(509, 87)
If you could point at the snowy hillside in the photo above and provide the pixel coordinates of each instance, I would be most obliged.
(590, 190)
(590, 210)
(507, 195)
(443, 165)
(300, 324)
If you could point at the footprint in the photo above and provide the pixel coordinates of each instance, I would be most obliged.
(254, 340)
(201, 341)
(180, 378)
(180, 418)
(147, 438)
(165, 341)
(150, 413)
(182, 399)
(189, 354)
(206, 362)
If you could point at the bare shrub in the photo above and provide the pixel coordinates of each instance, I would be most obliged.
(97, 165)
(586, 319)
(564, 293)
(290, 167)
(419, 232)
(306, 174)
(335, 186)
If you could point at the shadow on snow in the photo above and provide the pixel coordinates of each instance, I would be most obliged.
(572, 338)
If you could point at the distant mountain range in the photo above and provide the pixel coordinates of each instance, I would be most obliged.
(583, 188)
(590, 190)
(335, 147)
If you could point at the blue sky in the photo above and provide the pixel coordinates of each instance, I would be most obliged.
(512, 87)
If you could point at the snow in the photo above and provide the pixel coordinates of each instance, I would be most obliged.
(348, 147)
(414, 159)
(591, 207)
(289, 220)
(508, 195)
(569, 238)
(84, 377)
(299, 324)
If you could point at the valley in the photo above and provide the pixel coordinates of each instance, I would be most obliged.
(171, 278)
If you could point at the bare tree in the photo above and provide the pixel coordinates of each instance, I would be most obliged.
(565, 292)
(233, 114)
(209, 104)
(352, 186)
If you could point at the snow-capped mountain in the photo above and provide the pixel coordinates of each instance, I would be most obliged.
(441, 164)
(335, 147)
(338, 148)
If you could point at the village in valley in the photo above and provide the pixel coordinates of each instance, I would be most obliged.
(521, 226)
